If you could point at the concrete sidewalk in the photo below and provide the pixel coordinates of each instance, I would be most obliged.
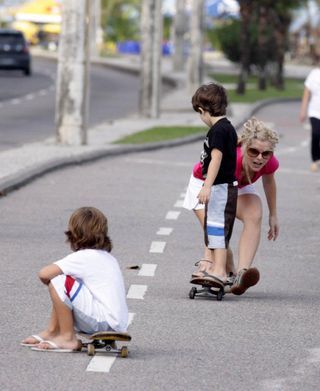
(20, 165)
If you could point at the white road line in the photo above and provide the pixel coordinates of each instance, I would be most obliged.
(147, 270)
(182, 195)
(157, 247)
(15, 101)
(100, 363)
(29, 97)
(43, 92)
(178, 204)
(165, 231)
(172, 215)
(137, 292)
(131, 317)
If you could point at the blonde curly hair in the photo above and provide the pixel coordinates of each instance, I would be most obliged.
(254, 129)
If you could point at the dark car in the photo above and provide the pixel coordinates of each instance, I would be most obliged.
(14, 51)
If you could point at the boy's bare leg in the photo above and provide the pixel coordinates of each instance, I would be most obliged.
(66, 338)
(219, 267)
(249, 211)
(48, 334)
(208, 254)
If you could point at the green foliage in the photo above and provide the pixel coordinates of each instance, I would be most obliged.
(120, 19)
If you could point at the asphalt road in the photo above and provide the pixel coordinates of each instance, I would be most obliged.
(267, 339)
(27, 104)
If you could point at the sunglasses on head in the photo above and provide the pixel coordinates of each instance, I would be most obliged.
(253, 152)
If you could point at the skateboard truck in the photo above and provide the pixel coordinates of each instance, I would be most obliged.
(106, 341)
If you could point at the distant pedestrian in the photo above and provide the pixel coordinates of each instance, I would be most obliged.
(310, 106)
(255, 160)
(219, 188)
(86, 287)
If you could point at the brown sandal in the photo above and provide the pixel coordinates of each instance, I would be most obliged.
(199, 273)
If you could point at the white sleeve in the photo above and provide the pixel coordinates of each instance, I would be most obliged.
(310, 80)
(71, 265)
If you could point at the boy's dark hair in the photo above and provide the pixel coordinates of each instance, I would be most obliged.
(88, 229)
(211, 98)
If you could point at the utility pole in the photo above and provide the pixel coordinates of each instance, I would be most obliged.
(150, 76)
(195, 65)
(180, 28)
(73, 73)
(96, 30)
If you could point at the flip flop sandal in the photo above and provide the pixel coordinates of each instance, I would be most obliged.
(198, 273)
(54, 348)
(214, 281)
(208, 280)
(36, 337)
(244, 280)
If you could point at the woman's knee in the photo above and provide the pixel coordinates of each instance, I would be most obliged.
(249, 209)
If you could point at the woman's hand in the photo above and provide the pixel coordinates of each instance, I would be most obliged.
(274, 228)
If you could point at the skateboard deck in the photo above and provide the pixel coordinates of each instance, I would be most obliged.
(105, 341)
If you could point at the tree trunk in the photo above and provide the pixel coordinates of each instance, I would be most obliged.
(262, 47)
(73, 70)
(245, 12)
(179, 30)
(150, 78)
(195, 65)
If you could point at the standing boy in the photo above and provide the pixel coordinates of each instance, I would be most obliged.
(219, 191)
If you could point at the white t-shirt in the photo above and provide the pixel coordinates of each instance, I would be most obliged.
(313, 84)
(100, 273)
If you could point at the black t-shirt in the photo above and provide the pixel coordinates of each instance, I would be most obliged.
(221, 136)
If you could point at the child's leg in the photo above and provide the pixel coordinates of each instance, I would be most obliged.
(61, 323)
(208, 254)
(50, 332)
(220, 262)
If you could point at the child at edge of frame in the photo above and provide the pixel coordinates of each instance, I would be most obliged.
(86, 287)
(219, 191)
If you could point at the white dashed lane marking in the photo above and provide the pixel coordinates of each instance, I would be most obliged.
(147, 270)
(157, 247)
(137, 292)
(179, 204)
(172, 215)
(165, 231)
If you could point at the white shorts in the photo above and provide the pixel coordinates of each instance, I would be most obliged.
(79, 299)
(191, 201)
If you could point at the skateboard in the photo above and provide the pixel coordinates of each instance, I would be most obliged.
(208, 289)
(106, 341)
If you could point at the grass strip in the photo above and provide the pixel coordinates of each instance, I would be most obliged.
(293, 89)
(160, 133)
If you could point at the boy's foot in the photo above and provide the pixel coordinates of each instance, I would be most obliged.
(201, 270)
(244, 280)
(33, 340)
(214, 281)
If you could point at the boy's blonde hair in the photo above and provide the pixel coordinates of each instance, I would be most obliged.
(88, 229)
(254, 129)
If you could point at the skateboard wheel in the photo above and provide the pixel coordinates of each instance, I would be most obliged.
(91, 349)
(192, 293)
(219, 295)
(124, 352)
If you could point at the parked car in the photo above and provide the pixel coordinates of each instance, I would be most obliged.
(14, 51)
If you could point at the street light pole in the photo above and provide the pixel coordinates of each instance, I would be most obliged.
(73, 73)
